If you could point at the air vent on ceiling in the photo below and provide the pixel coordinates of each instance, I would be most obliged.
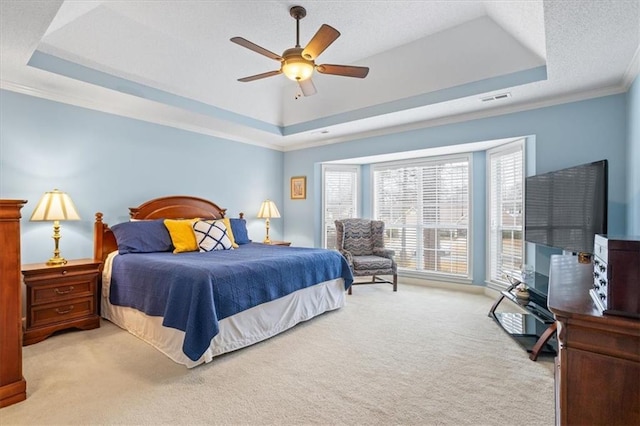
(496, 97)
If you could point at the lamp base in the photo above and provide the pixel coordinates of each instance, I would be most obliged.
(267, 240)
(57, 261)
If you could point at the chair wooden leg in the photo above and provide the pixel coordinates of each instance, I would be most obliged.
(376, 280)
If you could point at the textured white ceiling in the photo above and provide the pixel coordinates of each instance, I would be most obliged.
(171, 62)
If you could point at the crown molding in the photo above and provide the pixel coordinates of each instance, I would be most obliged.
(493, 112)
(632, 70)
(121, 109)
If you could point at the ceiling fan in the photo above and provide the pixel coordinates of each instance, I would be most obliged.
(298, 63)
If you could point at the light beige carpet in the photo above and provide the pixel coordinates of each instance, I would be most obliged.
(419, 356)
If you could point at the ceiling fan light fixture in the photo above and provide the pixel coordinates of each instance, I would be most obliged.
(295, 67)
(297, 70)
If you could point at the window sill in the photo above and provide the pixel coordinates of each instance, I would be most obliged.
(435, 277)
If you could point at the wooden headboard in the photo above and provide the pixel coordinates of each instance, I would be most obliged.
(172, 207)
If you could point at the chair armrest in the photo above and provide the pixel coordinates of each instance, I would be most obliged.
(382, 252)
(347, 255)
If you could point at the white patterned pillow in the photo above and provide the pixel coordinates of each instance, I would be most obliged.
(212, 235)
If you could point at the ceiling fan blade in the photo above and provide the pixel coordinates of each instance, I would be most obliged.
(307, 87)
(343, 70)
(252, 46)
(259, 76)
(320, 41)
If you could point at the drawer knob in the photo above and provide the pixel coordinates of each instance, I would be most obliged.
(67, 291)
(64, 272)
(64, 312)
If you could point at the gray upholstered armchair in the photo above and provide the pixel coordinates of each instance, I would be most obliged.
(361, 242)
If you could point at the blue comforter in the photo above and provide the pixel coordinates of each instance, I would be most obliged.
(193, 291)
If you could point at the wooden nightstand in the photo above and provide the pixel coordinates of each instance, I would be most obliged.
(60, 297)
(280, 243)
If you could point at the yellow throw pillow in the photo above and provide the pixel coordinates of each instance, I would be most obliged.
(227, 223)
(182, 235)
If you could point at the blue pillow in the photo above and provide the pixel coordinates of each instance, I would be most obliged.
(145, 236)
(239, 229)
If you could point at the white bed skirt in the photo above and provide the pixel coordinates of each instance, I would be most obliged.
(238, 331)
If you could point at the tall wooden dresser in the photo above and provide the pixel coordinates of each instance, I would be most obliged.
(598, 365)
(13, 387)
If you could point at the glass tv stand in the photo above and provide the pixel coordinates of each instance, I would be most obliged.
(535, 328)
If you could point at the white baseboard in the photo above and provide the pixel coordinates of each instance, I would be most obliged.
(469, 288)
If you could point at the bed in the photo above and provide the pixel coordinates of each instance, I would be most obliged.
(195, 305)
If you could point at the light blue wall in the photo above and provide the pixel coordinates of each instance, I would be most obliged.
(109, 163)
(565, 135)
(633, 158)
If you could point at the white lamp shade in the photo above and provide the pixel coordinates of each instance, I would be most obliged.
(268, 210)
(55, 205)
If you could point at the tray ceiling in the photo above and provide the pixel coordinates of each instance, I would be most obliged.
(171, 62)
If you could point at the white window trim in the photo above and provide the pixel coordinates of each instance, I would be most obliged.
(518, 145)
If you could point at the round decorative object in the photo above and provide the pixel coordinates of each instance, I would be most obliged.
(522, 292)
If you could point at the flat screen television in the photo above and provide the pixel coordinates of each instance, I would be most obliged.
(566, 208)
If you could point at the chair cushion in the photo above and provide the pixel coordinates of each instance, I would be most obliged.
(357, 237)
(377, 263)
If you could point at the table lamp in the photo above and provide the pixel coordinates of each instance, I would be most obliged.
(55, 206)
(268, 210)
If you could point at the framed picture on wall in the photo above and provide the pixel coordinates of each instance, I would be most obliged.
(298, 187)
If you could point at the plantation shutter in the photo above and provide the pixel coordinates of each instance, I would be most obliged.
(425, 207)
(340, 198)
(506, 225)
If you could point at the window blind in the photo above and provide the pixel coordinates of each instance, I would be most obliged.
(505, 204)
(425, 206)
(340, 198)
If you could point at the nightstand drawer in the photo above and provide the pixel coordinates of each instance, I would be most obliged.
(68, 289)
(60, 312)
(58, 273)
